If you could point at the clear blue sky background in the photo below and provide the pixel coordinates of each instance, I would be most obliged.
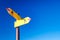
(45, 23)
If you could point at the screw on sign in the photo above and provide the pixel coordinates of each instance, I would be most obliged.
(19, 21)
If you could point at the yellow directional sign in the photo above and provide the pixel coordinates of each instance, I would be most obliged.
(19, 21)
(13, 13)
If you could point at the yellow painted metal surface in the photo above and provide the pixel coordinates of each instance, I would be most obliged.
(19, 21)
(13, 13)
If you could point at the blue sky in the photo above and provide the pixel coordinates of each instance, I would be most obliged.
(45, 23)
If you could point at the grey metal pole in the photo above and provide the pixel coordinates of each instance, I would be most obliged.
(17, 34)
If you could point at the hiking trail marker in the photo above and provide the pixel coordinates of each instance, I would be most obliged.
(19, 21)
